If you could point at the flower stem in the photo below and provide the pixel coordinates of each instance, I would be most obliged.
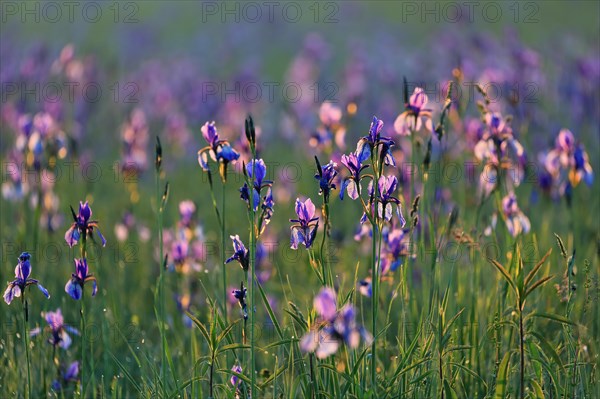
(83, 338)
(223, 250)
(252, 274)
(376, 235)
(161, 287)
(25, 337)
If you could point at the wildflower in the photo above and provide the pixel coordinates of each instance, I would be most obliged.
(367, 144)
(241, 254)
(22, 271)
(387, 186)
(69, 376)
(338, 327)
(515, 219)
(234, 378)
(256, 171)
(240, 295)
(187, 210)
(581, 170)
(74, 286)
(325, 175)
(218, 150)
(352, 183)
(82, 225)
(415, 116)
(304, 231)
(365, 287)
(395, 250)
(58, 329)
(267, 210)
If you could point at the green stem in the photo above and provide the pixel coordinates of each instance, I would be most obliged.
(223, 250)
(324, 253)
(83, 339)
(522, 354)
(161, 325)
(376, 236)
(25, 337)
(82, 314)
(252, 274)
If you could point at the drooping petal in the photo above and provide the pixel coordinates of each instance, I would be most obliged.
(328, 345)
(401, 125)
(72, 236)
(309, 342)
(9, 294)
(72, 372)
(325, 303)
(73, 288)
(352, 189)
(102, 239)
(65, 340)
(363, 150)
(296, 238)
(44, 291)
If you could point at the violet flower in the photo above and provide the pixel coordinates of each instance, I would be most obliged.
(218, 150)
(58, 330)
(82, 225)
(415, 116)
(17, 287)
(338, 327)
(304, 231)
(325, 175)
(367, 144)
(74, 286)
(351, 184)
(515, 219)
(241, 253)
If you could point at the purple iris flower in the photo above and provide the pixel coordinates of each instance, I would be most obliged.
(415, 115)
(325, 175)
(395, 250)
(58, 330)
(305, 228)
(68, 376)
(387, 187)
(368, 143)
(516, 221)
(256, 171)
(234, 378)
(241, 254)
(218, 150)
(240, 295)
(267, 209)
(17, 287)
(338, 327)
(352, 182)
(82, 225)
(74, 286)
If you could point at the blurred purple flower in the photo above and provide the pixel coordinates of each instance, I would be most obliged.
(415, 116)
(218, 150)
(515, 219)
(338, 327)
(58, 329)
(234, 378)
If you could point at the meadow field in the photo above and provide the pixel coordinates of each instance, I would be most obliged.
(329, 199)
